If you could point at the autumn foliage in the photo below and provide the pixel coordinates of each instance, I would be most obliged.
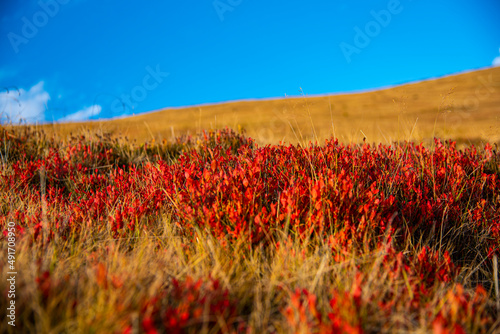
(215, 234)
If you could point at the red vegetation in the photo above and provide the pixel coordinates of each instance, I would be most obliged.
(354, 199)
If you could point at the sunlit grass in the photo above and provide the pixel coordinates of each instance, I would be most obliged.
(115, 237)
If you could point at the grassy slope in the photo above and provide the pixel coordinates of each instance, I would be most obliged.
(388, 273)
(464, 107)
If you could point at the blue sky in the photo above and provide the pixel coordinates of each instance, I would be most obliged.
(89, 59)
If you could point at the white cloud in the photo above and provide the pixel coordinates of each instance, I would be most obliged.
(21, 104)
(83, 114)
(496, 61)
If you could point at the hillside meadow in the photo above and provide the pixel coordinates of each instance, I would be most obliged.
(216, 233)
(464, 108)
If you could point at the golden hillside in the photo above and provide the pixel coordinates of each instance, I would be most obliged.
(464, 107)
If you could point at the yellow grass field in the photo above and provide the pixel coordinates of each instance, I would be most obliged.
(463, 107)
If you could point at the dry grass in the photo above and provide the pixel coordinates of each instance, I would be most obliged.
(92, 281)
(464, 107)
(99, 283)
